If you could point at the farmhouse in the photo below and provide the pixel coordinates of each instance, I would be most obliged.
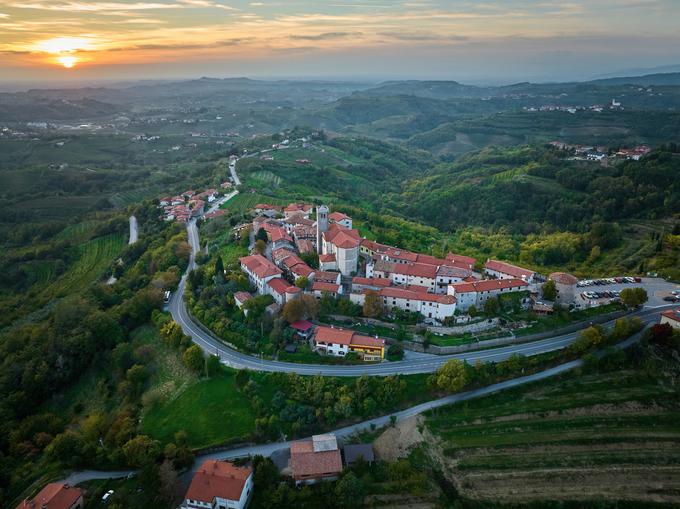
(297, 208)
(315, 460)
(281, 290)
(476, 293)
(503, 270)
(55, 495)
(319, 288)
(240, 298)
(339, 342)
(219, 485)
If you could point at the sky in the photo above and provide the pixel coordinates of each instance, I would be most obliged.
(473, 41)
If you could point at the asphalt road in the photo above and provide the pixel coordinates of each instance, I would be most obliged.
(133, 230)
(412, 365)
(232, 170)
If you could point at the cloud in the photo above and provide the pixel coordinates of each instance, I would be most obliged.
(418, 36)
(3, 15)
(102, 7)
(325, 36)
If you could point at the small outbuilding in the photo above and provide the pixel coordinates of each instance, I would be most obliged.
(352, 453)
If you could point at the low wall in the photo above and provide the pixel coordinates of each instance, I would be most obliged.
(479, 325)
(510, 340)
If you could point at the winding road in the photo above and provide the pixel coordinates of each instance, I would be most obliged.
(420, 364)
(133, 230)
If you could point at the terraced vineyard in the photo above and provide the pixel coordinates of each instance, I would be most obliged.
(95, 256)
(245, 201)
(588, 437)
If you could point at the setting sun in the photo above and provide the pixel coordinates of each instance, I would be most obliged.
(67, 61)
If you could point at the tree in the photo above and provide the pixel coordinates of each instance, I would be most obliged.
(170, 485)
(260, 246)
(193, 358)
(212, 365)
(261, 235)
(452, 376)
(293, 310)
(549, 290)
(395, 352)
(219, 268)
(491, 306)
(141, 451)
(349, 491)
(633, 297)
(302, 282)
(589, 338)
(373, 305)
(472, 311)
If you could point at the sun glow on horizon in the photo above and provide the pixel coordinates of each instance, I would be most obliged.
(68, 61)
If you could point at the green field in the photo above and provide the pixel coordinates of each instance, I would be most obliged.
(243, 202)
(609, 435)
(94, 257)
(211, 411)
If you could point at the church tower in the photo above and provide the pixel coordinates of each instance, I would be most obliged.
(321, 226)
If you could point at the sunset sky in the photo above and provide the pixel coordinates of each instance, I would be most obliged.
(454, 39)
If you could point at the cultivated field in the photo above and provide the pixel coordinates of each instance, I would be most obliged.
(610, 436)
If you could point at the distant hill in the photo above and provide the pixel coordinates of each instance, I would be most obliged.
(23, 107)
(429, 89)
(659, 79)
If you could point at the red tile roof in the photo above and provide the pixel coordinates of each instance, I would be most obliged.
(278, 234)
(242, 296)
(326, 258)
(402, 293)
(218, 479)
(416, 269)
(260, 266)
(359, 340)
(338, 216)
(326, 276)
(345, 238)
(306, 463)
(304, 246)
(298, 207)
(401, 254)
(460, 260)
(488, 285)
(563, 278)
(266, 206)
(53, 496)
(508, 268)
(279, 285)
(673, 314)
(373, 246)
(302, 325)
(371, 281)
(320, 286)
(333, 335)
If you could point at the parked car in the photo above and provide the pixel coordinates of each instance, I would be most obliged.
(638, 279)
(671, 298)
(107, 495)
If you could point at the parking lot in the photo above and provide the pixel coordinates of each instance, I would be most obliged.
(657, 289)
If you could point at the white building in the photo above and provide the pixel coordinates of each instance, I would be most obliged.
(219, 485)
(429, 305)
(503, 270)
(476, 293)
(260, 271)
(341, 219)
(344, 244)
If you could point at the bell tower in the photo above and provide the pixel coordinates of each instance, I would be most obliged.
(321, 226)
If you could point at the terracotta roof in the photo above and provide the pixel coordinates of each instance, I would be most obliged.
(373, 246)
(304, 246)
(53, 496)
(260, 266)
(242, 296)
(371, 281)
(320, 286)
(345, 238)
(488, 285)
(278, 234)
(673, 314)
(563, 278)
(401, 254)
(327, 257)
(508, 268)
(449, 271)
(334, 335)
(279, 285)
(460, 260)
(302, 325)
(215, 213)
(266, 206)
(301, 269)
(338, 216)
(298, 207)
(326, 276)
(293, 289)
(305, 462)
(416, 269)
(402, 293)
(359, 340)
(218, 479)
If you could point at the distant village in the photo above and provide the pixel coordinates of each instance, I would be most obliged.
(601, 153)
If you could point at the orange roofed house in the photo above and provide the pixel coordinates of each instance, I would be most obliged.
(55, 496)
(315, 460)
(339, 342)
(219, 485)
